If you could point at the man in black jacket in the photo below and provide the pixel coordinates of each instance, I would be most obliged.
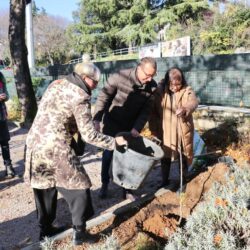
(123, 105)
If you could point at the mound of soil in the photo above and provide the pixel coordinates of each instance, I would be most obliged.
(159, 218)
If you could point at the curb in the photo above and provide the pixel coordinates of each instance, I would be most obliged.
(123, 207)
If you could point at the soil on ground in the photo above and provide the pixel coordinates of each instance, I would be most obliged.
(153, 223)
(160, 218)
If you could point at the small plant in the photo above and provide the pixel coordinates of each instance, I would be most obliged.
(143, 242)
(47, 244)
(222, 220)
(50, 244)
(111, 243)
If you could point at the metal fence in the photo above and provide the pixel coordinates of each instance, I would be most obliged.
(218, 80)
(94, 56)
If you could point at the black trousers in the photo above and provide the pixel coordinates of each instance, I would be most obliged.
(5, 152)
(165, 168)
(79, 201)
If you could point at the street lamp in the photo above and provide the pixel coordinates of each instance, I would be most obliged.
(30, 38)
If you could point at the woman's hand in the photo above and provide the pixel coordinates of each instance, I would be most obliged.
(181, 112)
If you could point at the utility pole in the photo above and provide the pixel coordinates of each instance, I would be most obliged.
(30, 37)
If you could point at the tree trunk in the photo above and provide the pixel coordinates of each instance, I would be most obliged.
(19, 54)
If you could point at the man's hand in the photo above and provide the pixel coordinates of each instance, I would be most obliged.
(97, 125)
(134, 132)
(2, 97)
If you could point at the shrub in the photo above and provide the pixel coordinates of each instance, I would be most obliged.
(222, 220)
(14, 109)
(36, 81)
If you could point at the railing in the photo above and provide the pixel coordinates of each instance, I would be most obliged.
(124, 51)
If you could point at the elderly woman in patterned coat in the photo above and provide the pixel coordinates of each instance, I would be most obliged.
(51, 164)
(172, 122)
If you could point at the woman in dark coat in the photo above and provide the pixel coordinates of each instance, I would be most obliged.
(4, 131)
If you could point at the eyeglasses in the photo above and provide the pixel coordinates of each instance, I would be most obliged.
(94, 81)
(146, 74)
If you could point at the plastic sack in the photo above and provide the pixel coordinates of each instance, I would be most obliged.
(199, 148)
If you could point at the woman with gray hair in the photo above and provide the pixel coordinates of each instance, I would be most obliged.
(51, 164)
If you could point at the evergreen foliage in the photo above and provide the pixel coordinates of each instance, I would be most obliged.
(108, 25)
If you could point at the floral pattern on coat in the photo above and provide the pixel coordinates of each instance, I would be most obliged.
(50, 161)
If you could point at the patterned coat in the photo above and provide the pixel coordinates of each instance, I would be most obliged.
(167, 127)
(124, 103)
(50, 161)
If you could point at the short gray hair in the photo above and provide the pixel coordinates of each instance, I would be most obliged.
(148, 60)
(87, 68)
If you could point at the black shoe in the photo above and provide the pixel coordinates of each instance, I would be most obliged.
(163, 184)
(50, 231)
(103, 191)
(10, 172)
(80, 235)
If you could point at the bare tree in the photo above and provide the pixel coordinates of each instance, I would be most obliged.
(50, 39)
(19, 53)
(4, 43)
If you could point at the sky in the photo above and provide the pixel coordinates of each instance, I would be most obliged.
(63, 8)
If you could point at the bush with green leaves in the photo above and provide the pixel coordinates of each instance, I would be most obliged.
(14, 109)
(222, 220)
(37, 81)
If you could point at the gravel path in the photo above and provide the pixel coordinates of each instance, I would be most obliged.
(18, 224)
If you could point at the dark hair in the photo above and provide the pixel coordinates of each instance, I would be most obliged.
(174, 73)
(1, 76)
(148, 60)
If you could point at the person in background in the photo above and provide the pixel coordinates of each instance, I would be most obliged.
(171, 120)
(51, 164)
(123, 105)
(4, 131)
